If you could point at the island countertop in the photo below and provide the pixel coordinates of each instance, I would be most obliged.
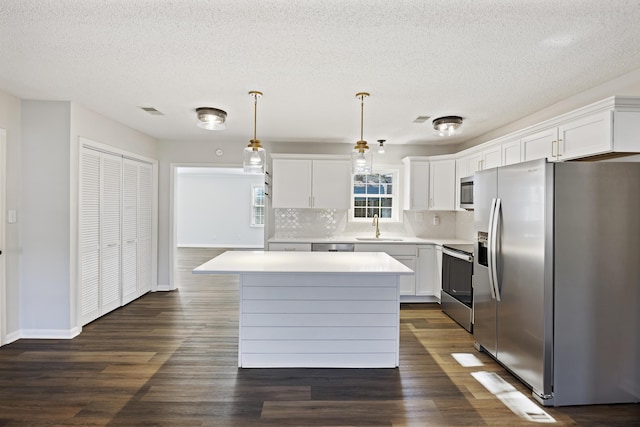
(237, 262)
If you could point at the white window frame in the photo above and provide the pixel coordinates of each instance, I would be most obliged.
(254, 205)
(395, 197)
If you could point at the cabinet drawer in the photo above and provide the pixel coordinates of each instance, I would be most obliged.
(291, 247)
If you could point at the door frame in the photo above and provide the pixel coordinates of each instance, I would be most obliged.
(3, 266)
(173, 211)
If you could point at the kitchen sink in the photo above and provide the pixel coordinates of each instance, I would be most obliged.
(380, 239)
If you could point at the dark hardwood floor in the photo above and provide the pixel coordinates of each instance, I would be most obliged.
(171, 359)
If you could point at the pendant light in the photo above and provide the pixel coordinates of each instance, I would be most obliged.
(254, 155)
(361, 155)
(381, 146)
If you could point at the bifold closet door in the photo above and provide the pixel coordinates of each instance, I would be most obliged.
(110, 231)
(89, 236)
(145, 229)
(129, 230)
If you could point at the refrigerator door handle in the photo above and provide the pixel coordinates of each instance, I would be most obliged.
(493, 261)
(490, 248)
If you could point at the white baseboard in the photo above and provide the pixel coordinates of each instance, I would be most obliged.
(13, 336)
(59, 334)
(164, 287)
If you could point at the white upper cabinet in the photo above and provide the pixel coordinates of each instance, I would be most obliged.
(416, 184)
(310, 183)
(540, 145)
(585, 136)
(442, 188)
(511, 152)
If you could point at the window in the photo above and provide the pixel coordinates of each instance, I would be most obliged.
(257, 206)
(375, 193)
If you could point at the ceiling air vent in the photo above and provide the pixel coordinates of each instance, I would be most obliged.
(152, 110)
(421, 119)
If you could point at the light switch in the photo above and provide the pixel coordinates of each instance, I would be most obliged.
(12, 217)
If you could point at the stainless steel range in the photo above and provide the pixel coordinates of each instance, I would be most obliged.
(457, 291)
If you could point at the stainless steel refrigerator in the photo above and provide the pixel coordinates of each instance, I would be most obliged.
(556, 280)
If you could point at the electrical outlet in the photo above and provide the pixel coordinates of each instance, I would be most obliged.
(436, 220)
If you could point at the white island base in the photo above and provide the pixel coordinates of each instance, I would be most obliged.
(315, 309)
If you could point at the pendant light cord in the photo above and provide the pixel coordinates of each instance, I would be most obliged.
(255, 115)
(361, 117)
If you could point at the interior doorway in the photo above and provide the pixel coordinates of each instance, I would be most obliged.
(215, 209)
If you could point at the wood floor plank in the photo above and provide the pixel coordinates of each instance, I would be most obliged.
(170, 359)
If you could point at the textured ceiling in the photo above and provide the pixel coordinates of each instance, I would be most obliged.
(491, 62)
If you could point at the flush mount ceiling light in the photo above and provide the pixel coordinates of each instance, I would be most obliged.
(211, 118)
(381, 147)
(254, 155)
(447, 126)
(360, 155)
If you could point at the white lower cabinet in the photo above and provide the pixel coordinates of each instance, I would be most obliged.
(423, 286)
(426, 272)
(407, 283)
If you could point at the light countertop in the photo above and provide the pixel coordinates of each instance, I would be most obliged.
(383, 239)
(237, 262)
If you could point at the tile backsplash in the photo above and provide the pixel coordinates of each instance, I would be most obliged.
(302, 223)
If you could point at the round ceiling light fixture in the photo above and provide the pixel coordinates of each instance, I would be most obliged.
(211, 118)
(447, 126)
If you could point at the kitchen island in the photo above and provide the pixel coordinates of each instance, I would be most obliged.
(315, 309)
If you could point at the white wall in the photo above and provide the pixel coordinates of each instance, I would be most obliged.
(214, 208)
(48, 212)
(44, 217)
(10, 121)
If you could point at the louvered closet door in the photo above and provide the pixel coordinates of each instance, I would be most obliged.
(145, 208)
(129, 230)
(89, 236)
(111, 172)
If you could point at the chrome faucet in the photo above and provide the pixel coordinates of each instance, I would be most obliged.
(375, 222)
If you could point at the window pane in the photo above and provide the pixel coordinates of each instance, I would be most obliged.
(373, 194)
(385, 213)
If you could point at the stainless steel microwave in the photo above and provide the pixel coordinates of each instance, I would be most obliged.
(466, 193)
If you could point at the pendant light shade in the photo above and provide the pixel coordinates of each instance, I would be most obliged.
(211, 118)
(381, 149)
(361, 155)
(254, 157)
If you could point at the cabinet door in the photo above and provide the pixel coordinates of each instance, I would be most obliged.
(291, 183)
(408, 282)
(540, 145)
(129, 230)
(511, 152)
(331, 184)
(442, 188)
(492, 157)
(426, 272)
(586, 136)
(416, 186)
(474, 163)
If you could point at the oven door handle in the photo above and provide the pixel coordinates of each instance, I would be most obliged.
(458, 255)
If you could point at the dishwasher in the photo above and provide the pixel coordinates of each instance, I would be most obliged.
(332, 247)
